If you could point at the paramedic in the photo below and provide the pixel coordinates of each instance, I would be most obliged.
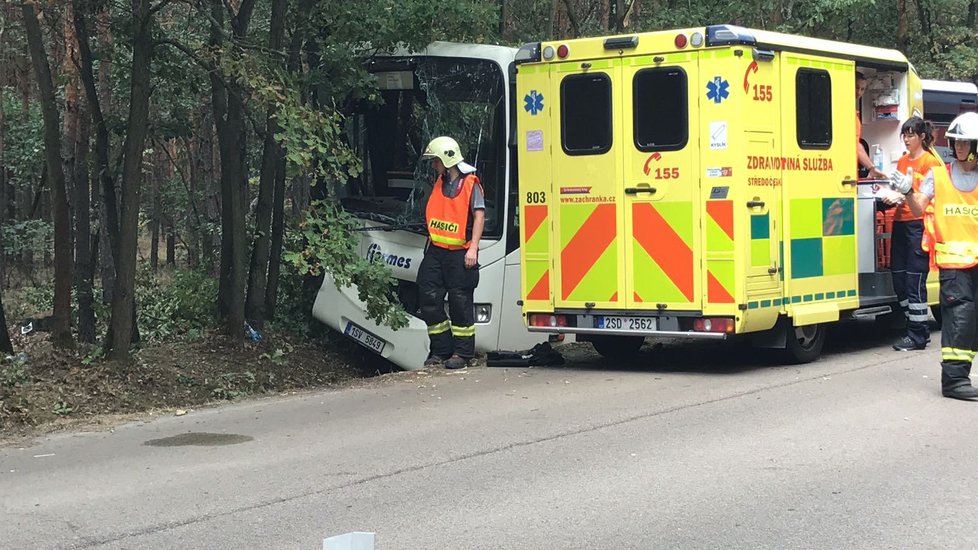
(455, 217)
(909, 263)
(951, 222)
(862, 155)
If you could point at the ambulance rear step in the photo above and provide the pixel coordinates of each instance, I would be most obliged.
(870, 312)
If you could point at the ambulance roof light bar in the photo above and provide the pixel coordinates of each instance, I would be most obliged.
(528, 53)
(728, 35)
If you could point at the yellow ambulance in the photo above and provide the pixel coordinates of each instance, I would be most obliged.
(703, 183)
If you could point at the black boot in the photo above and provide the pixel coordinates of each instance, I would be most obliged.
(966, 392)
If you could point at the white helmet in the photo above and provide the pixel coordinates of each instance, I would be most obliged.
(446, 149)
(964, 127)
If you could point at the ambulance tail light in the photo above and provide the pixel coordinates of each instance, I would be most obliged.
(714, 324)
(681, 41)
(547, 320)
(563, 51)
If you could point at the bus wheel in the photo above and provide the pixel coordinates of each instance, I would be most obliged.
(803, 344)
(617, 347)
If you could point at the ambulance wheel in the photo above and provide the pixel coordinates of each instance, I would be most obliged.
(617, 347)
(803, 344)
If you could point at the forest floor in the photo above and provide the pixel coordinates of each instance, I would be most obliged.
(47, 390)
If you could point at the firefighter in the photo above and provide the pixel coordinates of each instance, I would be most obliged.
(455, 217)
(951, 223)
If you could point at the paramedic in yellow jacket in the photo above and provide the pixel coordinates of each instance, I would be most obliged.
(951, 222)
(455, 216)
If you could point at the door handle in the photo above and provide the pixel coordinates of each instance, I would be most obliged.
(773, 269)
(850, 182)
(755, 204)
(637, 190)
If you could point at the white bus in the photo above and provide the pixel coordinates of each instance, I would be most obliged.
(943, 101)
(460, 90)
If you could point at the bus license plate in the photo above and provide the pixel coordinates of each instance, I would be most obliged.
(364, 338)
(626, 323)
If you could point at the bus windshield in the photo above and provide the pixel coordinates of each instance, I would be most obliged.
(422, 98)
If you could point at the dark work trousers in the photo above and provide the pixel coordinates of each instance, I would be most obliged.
(910, 266)
(959, 326)
(443, 272)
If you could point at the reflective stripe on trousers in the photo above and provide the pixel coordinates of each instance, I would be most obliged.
(959, 325)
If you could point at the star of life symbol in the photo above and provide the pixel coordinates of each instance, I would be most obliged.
(533, 102)
(716, 89)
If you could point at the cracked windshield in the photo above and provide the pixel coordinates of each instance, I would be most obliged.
(423, 98)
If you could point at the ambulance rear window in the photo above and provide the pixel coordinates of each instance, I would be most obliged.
(585, 114)
(661, 120)
(813, 97)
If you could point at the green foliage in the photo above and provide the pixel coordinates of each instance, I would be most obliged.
(177, 304)
(327, 242)
(13, 371)
(234, 385)
(28, 236)
(23, 147)
(279, 356)
(63, 408)
(29, 301)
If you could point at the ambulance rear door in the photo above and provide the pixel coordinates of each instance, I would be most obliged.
(586, 175)
(661, 181)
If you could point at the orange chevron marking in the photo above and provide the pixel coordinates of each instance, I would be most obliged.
(614, 297)
(586, 246)
(535, 216)
(715, 292)
(664, 246)
(722, 213)
(637, 297)
(541, 290)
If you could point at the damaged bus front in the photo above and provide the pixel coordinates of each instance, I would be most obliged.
(463, 91)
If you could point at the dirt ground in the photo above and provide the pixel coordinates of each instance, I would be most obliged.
(55, 390)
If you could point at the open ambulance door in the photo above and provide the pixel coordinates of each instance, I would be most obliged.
(763, 95)
(819, 196)
(660, 187)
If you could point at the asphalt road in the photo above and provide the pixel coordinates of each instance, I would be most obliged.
(700, 446)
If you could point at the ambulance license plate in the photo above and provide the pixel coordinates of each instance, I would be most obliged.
(364, 338)
(625, 323)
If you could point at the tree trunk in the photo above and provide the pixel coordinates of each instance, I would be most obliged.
(108, 210)
(77, 136)
(278, 237)
(84, 264)
(278, 197)
(5, 345)
(123, 304)
(902, 32)
(154, 220)
(171, 244)
(229, 114)
(271, 155)
(61, 321)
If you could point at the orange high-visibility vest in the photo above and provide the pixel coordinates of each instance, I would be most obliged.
(952, 225)
(448, 218)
